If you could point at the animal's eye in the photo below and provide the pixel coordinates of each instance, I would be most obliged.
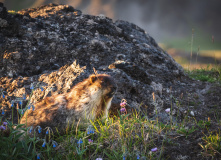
(105, 80)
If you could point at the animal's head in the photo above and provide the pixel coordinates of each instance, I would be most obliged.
(104, 82)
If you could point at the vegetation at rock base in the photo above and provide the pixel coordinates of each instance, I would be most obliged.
(123, 136)
(210, 75)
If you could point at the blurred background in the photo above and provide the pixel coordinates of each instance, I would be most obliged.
(188, 30)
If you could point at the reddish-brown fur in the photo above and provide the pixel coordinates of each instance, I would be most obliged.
(86, 100)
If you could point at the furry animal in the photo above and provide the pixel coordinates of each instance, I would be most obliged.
(85, 101)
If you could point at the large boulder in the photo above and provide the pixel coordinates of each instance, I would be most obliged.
(56, 46)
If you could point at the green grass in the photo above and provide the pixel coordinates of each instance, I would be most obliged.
(212, 144)
(121, 136)
(115, 138)
(186, 131)
(206, 74)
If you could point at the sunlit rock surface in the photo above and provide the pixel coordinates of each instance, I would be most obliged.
(56, 46)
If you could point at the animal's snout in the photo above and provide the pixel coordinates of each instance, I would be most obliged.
(114, 89)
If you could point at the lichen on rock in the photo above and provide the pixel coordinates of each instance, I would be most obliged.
(56, 46)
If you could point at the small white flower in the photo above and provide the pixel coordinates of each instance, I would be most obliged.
(154, 149)
(167, 110)
(192, 113)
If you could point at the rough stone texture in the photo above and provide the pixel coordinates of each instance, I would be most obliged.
(53, 47)
(43, 46)
(52, 36)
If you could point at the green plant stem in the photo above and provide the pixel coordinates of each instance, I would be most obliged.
(12, 114)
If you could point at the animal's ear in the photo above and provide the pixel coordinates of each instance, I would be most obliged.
(93, 78)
